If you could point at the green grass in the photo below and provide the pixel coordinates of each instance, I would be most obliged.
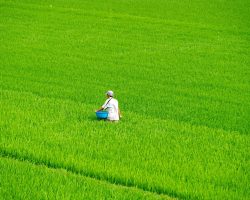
(180, 70)
(40, 182)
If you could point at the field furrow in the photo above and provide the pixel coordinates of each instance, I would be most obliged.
(58, 183)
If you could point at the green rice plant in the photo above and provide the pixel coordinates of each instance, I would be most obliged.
(172, 158)
(180, 70)
(22, 180)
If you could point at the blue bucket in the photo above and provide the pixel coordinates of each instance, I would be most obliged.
(102, 114)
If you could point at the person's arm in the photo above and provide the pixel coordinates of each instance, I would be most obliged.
(103, 106)
(100, 109)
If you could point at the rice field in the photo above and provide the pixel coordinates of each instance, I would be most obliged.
(180, 71)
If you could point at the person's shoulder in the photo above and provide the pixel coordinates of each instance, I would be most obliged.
(113, 100)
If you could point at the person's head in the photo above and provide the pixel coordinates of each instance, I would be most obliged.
(109, 93)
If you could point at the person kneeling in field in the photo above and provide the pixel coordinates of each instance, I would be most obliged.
(111, 106)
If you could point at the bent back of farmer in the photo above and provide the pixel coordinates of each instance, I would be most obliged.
(111, 106)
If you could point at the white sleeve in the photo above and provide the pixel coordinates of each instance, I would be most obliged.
(104, 106)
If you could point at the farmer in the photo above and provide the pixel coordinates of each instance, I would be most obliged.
(111, 105)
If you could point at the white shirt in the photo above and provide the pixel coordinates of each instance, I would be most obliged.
(111, 105)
